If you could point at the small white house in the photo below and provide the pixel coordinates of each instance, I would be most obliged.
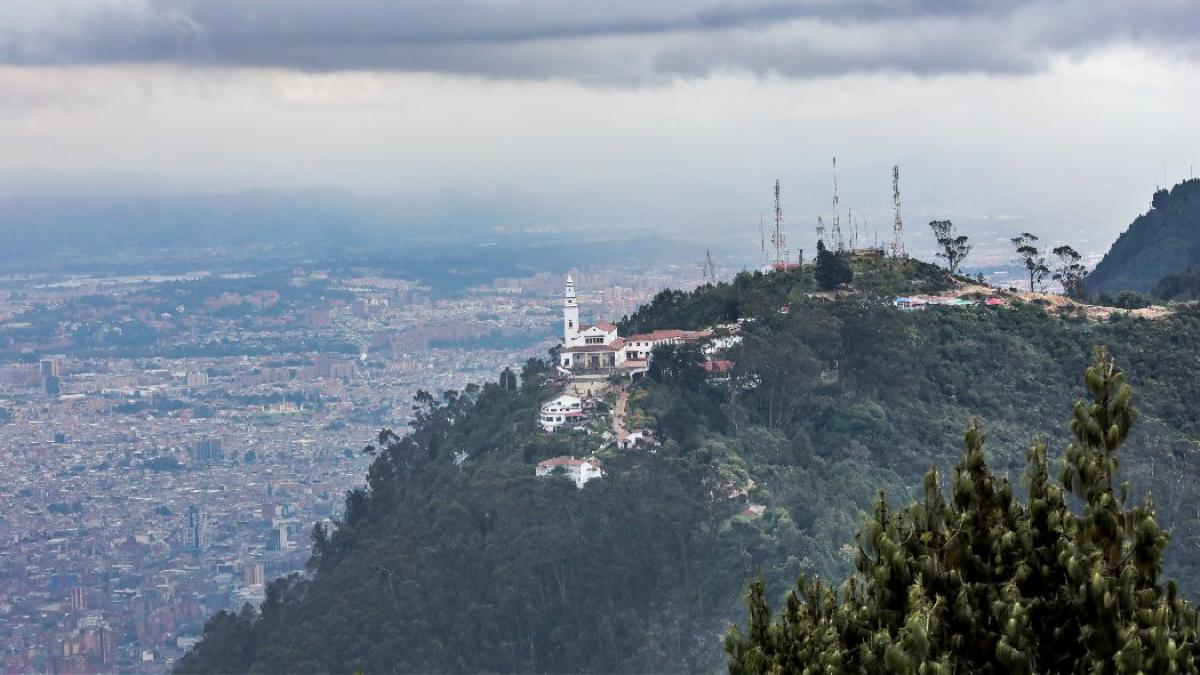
(578, 470)
(559, 411)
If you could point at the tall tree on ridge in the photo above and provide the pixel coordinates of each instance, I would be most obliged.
(952, 246)
(1032, 258)
(1070, 272)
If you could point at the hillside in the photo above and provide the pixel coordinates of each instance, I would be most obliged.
(1162, 242)
(478, 565)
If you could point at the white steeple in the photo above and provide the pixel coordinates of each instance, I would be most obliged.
(570, 313)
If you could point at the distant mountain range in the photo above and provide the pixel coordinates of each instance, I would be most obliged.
(1158, 250)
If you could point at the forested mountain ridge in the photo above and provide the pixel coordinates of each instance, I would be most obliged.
(481, 566)
(1161, 243)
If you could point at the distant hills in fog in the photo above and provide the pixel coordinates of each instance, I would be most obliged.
(430, 234)
(36, 223)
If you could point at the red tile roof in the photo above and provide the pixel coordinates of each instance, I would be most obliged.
(669, 334)
(614, 346)
(567, 461)
(602, 325)
(718, 366)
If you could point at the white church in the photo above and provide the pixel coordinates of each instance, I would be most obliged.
(598, 349)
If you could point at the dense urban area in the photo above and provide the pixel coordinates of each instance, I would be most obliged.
(169, 441)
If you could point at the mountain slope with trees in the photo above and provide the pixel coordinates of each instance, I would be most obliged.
(477, 565)
(1162, 242)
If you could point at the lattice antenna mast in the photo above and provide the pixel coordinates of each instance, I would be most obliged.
(777, 238)
(898, 227)
(709, 269)
(836, 233)
(762, 239)
(820, 229)
(853, 228)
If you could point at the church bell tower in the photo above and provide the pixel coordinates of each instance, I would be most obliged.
(570, 313)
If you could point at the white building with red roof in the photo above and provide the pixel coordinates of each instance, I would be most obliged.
(598, 347)
(639, 347)
(579, 470)
(588, 348)
(560, 411)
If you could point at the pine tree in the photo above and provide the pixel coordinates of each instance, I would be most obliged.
(1066, 582)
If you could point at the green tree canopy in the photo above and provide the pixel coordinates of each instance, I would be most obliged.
(1066, 581)
(832, 270)
(952, 246)
(1070, 272)
(1032, 258)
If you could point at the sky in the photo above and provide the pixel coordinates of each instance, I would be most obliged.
(1057, 117)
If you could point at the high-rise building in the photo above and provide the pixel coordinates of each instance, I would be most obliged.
(77, 597)
(51, 366)
(208, 451)
(252, 574)
(280, 537)
(197, 529)
(51, 385)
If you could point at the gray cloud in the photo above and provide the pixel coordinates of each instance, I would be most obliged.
(615, 41)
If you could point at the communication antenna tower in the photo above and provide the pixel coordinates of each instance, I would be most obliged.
(820, 229)
(898, 228)
(836, 234)
(762, 239)
(777, 238)
(709, 272)
(853, 228)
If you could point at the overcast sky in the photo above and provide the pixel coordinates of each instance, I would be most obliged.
(1054, 115)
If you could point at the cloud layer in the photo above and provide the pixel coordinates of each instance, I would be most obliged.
(610, 42)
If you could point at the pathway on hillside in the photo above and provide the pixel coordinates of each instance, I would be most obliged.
(618, 419)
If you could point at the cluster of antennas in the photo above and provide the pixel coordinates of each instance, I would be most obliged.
(837, 242)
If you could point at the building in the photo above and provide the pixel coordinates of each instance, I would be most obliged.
(579, 470)
(598, 348)
(51, 366)
(342, 370)
(588, 348)
(253, 574)
(77, 597)
(197, 529)
(639, 347)
(280, 537)
(197, 378)
(560, 411)
(208, 451)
